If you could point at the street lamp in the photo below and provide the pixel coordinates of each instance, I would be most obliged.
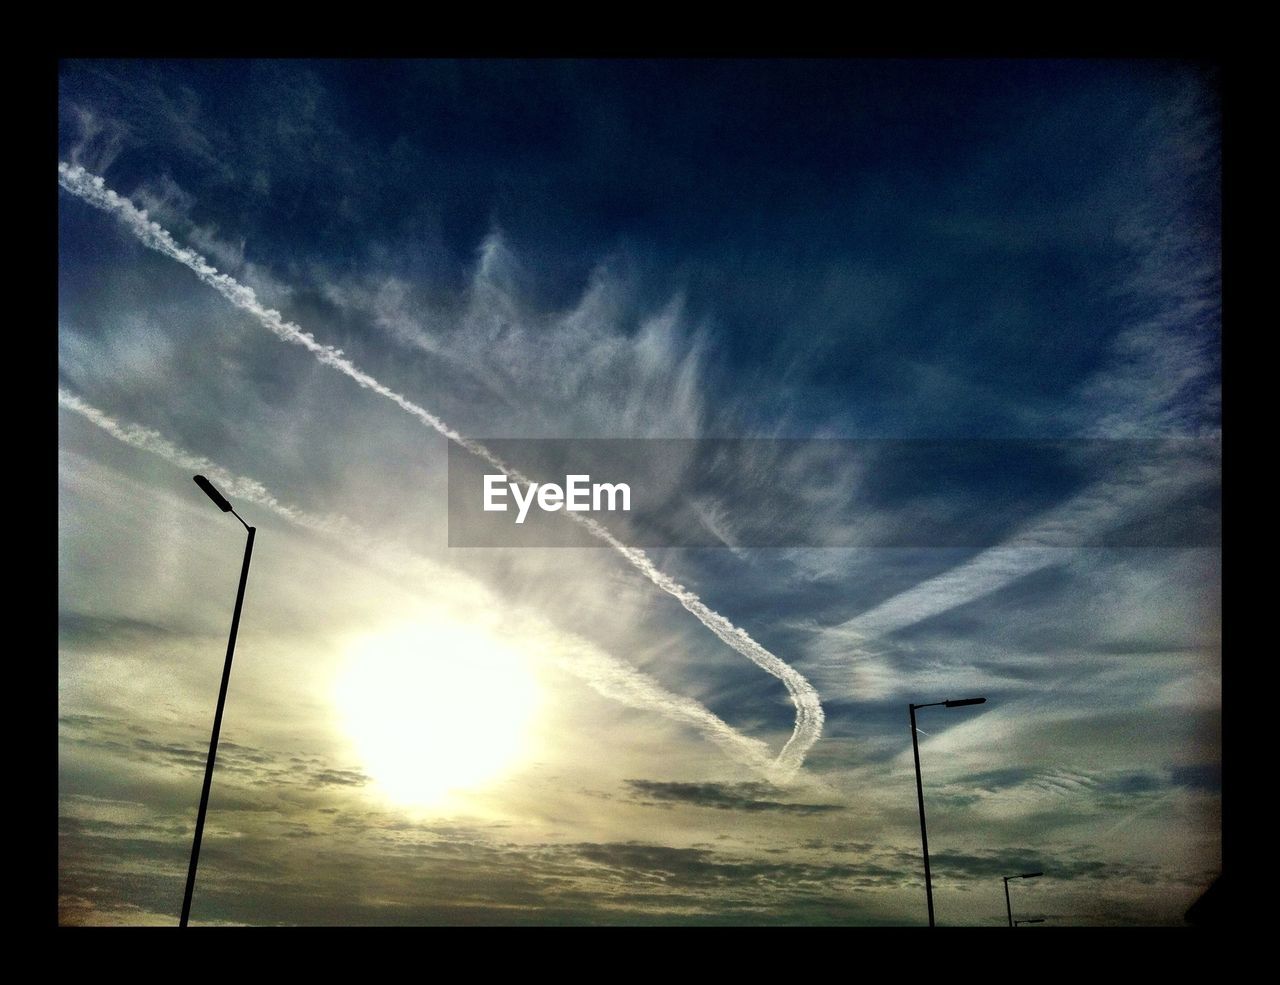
(915, 746)
(1007, 907)
(222, 504)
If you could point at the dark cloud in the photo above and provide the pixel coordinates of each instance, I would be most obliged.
(751, 797)
(818, 844)
(455, 876)
(79, 629)
(699, 868)
(1133, 783)
(1055, 865)
(993, 780)
(1200, 776)
(245, 764)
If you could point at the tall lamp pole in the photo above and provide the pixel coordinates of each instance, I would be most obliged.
(1007, 907)
(223, 505)
(915, 747)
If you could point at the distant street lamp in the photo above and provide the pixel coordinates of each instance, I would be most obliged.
(915, 746)
(1008, 908)
(1019, 923)
(223, 505)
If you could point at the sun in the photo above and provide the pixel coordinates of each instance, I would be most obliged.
(436, 706)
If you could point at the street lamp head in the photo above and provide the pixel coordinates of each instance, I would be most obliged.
(964, 701)
(1030, 875)
(217, 497)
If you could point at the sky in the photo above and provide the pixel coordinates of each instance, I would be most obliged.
(318, 283)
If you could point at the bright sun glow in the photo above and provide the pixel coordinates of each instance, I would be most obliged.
(436, 706)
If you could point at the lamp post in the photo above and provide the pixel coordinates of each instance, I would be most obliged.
(1008, 908)
(915, 747)
(222, 504)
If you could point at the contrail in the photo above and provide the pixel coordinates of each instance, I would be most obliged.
(981, 575)
(607, 675)
(1106, 504)
(809, 714)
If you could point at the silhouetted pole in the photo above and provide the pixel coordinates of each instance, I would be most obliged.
(1008, 908)
(924, 834)
(915, 748)
(223, 505)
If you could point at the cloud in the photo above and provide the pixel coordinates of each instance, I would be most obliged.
(590, 368)
(724, 796)
(809, 714)
(1164, 374)
(1056, 867)
(98, 139)
(442, 875)
(1200, 776)
(241, 764)
(1141, 488)
(607, 675)
(79, 628)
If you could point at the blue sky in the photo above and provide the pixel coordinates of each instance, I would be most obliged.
(860, 250)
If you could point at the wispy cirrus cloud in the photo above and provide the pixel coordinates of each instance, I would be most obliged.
(609, 676)
(809, 714)
(1051, 539)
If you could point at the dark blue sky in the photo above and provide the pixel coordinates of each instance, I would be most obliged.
(844, 220)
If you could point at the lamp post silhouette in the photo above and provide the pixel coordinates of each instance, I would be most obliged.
(1019, 923)
(1008, 908)
(222, 504)
(915, 747)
